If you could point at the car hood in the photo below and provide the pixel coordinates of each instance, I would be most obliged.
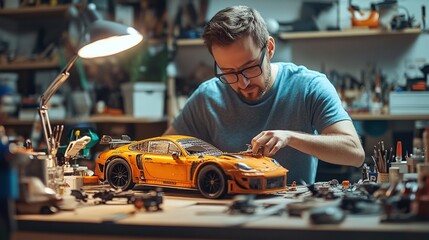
(258, 163)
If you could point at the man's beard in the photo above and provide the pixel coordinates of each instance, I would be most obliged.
(261, 91)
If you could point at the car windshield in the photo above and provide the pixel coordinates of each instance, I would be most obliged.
(195, 147)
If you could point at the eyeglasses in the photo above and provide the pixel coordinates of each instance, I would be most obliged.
(248, 73)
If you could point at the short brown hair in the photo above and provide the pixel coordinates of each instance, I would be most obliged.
(234, 23)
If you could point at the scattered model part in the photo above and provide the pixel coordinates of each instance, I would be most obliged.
(108, 195)
(327, 215)
(243, 204)
(150, 201)
(79, 195)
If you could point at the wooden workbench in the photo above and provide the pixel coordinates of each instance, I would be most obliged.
(189, 216)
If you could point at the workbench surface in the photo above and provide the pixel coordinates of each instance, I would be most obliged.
(189, 216)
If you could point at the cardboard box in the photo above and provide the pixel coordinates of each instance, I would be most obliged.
(144, 99)
(402, 103)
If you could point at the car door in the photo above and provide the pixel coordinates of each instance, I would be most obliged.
(159, 164)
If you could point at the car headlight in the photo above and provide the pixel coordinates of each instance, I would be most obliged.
(243, 166)
(275, 162)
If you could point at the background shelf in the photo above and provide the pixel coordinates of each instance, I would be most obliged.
(370, 117)
(346, 33)
(30, 65)
(31, 12)
(319, 34)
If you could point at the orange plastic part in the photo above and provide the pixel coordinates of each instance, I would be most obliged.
(365, 19)
(91, 180)
(345, 184)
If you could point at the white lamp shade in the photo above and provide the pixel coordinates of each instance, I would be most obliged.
(108, 38)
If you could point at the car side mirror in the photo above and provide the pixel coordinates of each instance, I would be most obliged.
(175, 155)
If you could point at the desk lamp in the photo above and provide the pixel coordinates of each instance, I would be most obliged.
(103, 38)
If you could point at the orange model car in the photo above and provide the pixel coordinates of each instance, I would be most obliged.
(186, 162)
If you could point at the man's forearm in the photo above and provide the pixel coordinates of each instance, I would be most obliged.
(333, 148)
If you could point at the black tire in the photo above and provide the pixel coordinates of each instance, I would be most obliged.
(49, 209)
(119, 174)
(212, 182)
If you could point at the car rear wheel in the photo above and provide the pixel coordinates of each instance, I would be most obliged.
(119, 174)
(212, 182)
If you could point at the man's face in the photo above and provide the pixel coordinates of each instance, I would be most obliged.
(242, 55)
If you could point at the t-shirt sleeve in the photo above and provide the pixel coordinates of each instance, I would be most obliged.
(324, 104)
(190, 120)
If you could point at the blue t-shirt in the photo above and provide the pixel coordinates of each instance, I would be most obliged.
(300, 100)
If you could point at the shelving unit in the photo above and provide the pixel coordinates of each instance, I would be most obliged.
(190, 42)
(52, 18)
(52, 12)
(350, 33)
(32, 14)
(136, 128)
(30, 21)
(386, 117)
(38, 15)
(93, 119)
(321, 34)
(102, 119)
(347, 33)
(30, 65)
(38, 11)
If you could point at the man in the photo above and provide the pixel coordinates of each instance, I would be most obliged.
(292, 113)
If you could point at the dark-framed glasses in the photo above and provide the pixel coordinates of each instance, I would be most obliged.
(248, 72)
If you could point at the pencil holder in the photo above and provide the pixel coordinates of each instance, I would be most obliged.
(383, 177)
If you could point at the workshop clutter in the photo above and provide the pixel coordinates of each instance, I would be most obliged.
(375, 15)
(367, 94)
(413, 98)
(144, 92)
(374, 93)
(40, 188)
(9, 97)
(403, 185)
(312, 17)
(144, 99)
(412, 102)
(402, 197)
(27, 179)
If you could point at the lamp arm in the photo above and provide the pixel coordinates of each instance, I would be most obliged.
(43, 107)
(58, 82)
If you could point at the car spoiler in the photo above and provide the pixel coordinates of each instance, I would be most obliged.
(106, 139)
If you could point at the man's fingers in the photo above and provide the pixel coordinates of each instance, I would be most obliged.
(269, 142)
(275, 149)
(272, 146)
(258, 142)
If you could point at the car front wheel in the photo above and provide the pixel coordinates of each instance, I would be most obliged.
(119, 174)
(212, 182)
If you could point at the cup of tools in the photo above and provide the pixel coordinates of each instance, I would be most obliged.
(382, 177)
